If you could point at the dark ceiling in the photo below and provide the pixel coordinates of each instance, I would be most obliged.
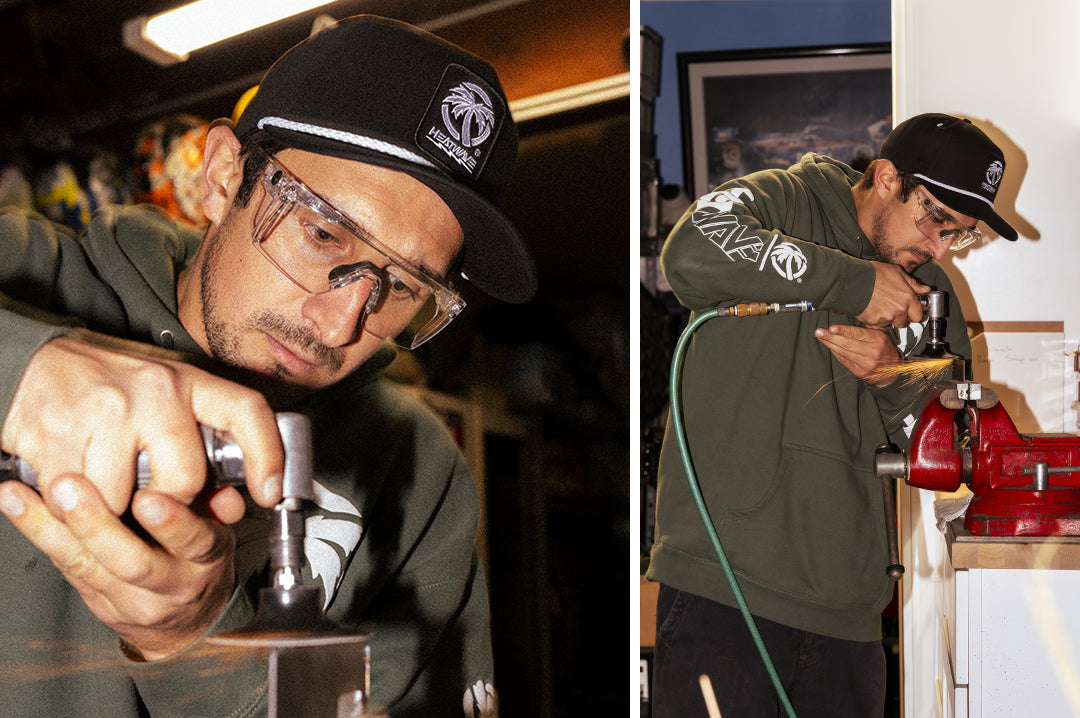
(66, 79)
(64, 70)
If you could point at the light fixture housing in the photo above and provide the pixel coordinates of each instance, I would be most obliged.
(170, 37)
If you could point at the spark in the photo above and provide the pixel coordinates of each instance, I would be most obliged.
(927, 371)
(920, 370)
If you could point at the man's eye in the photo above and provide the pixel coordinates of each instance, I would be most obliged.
(320, 233)
(399, 286)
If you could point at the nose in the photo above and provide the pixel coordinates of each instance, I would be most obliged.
(339, 315)
(939, 249)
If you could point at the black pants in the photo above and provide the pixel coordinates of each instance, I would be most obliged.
(822, 676)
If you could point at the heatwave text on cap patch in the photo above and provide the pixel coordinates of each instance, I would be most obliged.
(994, 174)
(462, 122)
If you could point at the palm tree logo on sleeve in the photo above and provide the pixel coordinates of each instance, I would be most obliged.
(788, 260)
(713, 217)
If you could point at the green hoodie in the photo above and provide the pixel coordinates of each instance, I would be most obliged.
(781, 435)
(390, 545)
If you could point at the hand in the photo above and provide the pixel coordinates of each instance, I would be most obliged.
(895, 300)
(85, 408)
(158, 597)
(867, 353)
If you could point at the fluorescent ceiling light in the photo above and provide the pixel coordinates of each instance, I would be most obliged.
(170, 36)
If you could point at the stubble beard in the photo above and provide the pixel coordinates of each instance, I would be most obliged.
(878, 237)
(223, 338)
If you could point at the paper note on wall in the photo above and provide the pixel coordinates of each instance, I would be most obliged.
(1030, 367)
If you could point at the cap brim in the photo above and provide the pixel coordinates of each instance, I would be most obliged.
(496, 259)
(973, 207)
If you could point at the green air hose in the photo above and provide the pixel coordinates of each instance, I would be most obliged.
(739, 310)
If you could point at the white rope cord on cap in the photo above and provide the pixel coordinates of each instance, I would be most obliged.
(369, 143)
(958, 190)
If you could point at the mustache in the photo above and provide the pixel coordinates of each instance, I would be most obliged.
(301, 338)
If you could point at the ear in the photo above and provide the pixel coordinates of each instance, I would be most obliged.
(886, 179)
(222, 171)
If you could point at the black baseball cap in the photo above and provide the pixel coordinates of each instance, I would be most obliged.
(386, 93)
(956, 161)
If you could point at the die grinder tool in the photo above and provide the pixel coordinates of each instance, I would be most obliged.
(287, 606)
(315, 668)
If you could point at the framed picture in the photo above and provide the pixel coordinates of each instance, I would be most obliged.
(747, 110)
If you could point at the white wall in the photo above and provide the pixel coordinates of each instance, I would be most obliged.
(1012, 68)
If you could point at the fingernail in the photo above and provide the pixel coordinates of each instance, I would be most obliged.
(273, 485)
(11, 505)
(65, 495)
(151, 513)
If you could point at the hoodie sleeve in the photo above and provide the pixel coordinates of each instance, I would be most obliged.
(45, 281)
(763, 238)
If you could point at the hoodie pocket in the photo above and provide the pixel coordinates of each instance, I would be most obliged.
(818, 533)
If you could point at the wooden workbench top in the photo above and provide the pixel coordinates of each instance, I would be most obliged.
(1025, 552)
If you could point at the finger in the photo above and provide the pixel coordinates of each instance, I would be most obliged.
(100, 550)
(224, 504)
(179, 531)
(114, 477)
(175, 452)
(918, 286)
(26, 510)
(31, 515)
(249, 420)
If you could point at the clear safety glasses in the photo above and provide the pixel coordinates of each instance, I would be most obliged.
(936, 224)
(321, 250)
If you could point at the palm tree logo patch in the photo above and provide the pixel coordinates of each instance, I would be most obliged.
(467, 114)
(462, 122)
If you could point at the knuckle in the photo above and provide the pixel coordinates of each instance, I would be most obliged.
(249, 401)
(160, 381)
(112, 403)
(79, 565)
(135, 573)
(209, 547)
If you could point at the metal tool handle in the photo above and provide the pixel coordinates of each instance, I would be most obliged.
(225, 461)
(888, 490)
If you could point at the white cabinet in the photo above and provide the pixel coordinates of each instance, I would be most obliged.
(1010, 616)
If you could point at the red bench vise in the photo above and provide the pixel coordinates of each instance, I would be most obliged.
(1023, 485)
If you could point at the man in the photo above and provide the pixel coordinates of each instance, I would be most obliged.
(361, 178)
(783, 414)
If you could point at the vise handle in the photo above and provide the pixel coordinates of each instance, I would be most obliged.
(887, 467)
